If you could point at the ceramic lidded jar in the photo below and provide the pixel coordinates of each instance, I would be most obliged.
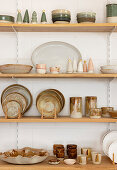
(111, 13)
(76, 107)
(90, 103)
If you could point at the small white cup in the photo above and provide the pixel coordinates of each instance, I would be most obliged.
(82, 159)
(96, 158)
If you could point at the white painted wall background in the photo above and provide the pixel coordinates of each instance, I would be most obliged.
(93, 45)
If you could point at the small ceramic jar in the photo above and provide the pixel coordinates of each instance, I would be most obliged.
(55, 146)
(96, 158)
(82, 159)
(72, 151)
(60, 152)
(90, 103)
(106, 110)
(76, 107)
(41, 68)
(111, 13)
(95, 113)
(86, 152)
(54, 70)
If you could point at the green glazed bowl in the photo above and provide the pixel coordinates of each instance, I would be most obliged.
(86, 17)
(7, 19)
(61, 15)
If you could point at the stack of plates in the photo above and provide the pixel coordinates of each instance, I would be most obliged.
(49, 102)
(16, 99)
(109, 69)
(109, 144)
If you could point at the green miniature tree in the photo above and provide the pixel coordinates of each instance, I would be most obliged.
(43, 17)
(34, 18)
(19, 17)
(26, 17)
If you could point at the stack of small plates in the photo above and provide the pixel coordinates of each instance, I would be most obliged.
(109, 144)
(16, 99)
(61, 16)
(50, 102)
(109, 69)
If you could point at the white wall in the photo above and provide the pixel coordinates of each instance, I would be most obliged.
(90, 45)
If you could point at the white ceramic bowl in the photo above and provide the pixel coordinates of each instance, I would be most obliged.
(15, 69)
(24, 160)
(109, 71)
(69, 161)
(109, 67)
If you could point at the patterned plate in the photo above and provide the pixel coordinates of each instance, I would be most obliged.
(19, 89)
(12, 109)
(18, 98)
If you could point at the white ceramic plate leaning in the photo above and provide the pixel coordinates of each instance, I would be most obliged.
(113, 150)
(55, 53)
(107, 140)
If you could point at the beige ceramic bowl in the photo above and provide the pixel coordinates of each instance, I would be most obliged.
(15, 69)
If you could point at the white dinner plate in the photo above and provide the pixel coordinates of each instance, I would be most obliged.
(113, 150)
(107, 140)
(55, 53)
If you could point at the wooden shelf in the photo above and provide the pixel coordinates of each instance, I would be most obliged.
(59, 119)
(92, 27)
(83, 75)
(106, 164)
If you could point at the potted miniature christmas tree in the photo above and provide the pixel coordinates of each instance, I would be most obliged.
(34, 18)
(19, 17)
(43, 17)
(26, 17)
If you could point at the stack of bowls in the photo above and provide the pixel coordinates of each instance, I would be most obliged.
(109, 69)
(16, 100)
(61, 16)
(50, 102)
(86, 17)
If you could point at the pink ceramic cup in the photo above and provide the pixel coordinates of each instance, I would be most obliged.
(54, 70)
(40, 66)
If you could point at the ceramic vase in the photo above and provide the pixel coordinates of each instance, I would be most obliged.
(85, 66)
(80, 67)
(90, 66)
(74, 65)
(70, 66)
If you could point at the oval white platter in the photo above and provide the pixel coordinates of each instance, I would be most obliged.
(55, 53)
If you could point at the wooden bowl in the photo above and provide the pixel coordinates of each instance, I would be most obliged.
(15, 69)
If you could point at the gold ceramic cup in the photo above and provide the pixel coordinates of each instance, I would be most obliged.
(90, 103)
(96, 158)
(82, 159)
(106, 110)
(86, 152)
(95, 113)
(76, 107)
